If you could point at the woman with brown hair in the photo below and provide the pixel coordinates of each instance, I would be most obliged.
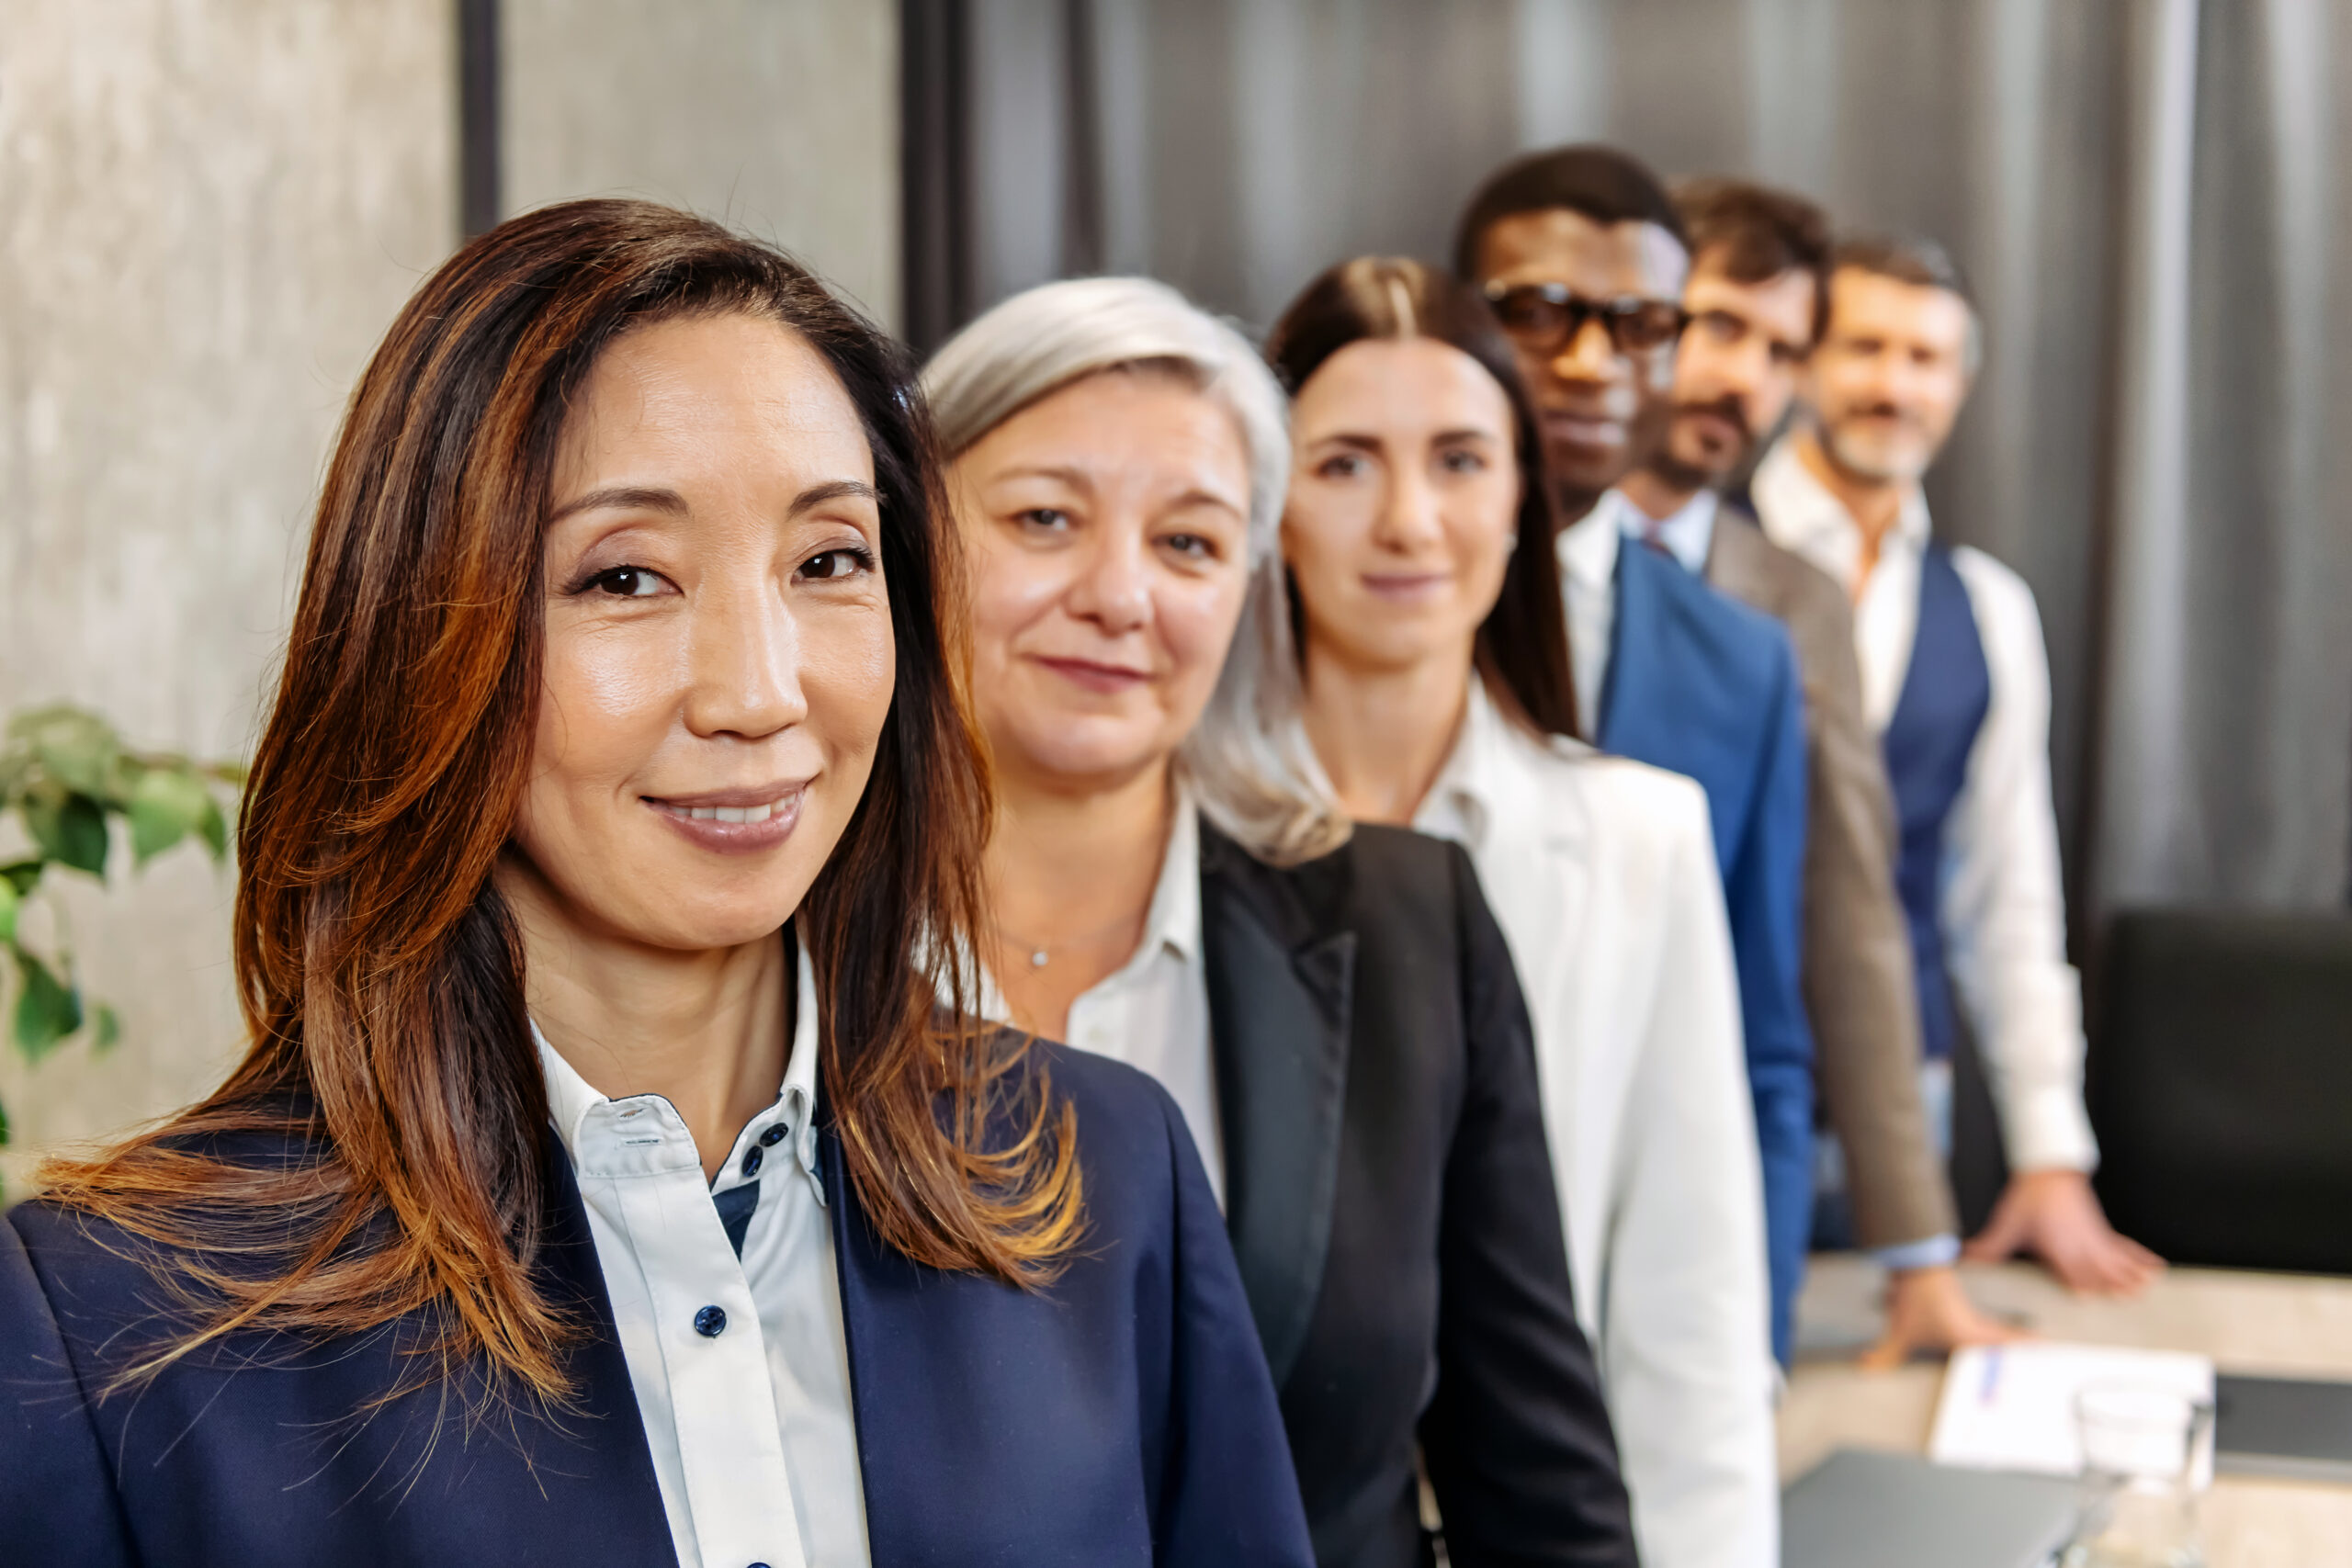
(606, 1181)
(1419, 539)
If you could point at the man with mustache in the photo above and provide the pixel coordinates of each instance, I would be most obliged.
(1758, 298)
(1583, 256)
(1955, 680)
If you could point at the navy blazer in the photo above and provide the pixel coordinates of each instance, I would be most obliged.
(1122, 1416)
(1708, 687)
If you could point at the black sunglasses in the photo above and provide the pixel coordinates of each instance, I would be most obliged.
(1544, 318)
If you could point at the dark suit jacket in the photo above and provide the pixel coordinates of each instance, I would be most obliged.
(1859, 987)
(1124, 1416)
(1390, 1199)
(1707, 687)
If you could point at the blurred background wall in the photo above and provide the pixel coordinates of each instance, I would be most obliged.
(210, 209)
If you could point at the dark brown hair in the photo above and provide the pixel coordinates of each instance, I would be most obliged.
(1603, 184)
(376, 1157)
(1755, 233)
(1522, 647)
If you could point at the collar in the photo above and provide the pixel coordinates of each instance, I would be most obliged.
(1586, 548)
(1800, 514)
(1491, 778)
(642, 1134)
(1686, 535)
(1173, 921)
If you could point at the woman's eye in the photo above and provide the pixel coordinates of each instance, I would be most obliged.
(1345, 465)
(1461, 460)
(1047, 519)
(627, 582)
(1192, 547)
(832, 565)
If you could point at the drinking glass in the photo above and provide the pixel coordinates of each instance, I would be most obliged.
(2143, 1452)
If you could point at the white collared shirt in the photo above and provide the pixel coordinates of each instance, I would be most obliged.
(1587, 550)
(753, 1438)
(2002, 907)
(1602, 873)
(1153, 1012)
(1686, 536)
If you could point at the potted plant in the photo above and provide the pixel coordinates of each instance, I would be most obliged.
(66, 774)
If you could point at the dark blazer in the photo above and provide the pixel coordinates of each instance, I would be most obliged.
(1861, 991)
(1705, 686)
(1124, 1416)
(1390, 1199)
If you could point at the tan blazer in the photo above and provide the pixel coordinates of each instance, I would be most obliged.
(1859, 986)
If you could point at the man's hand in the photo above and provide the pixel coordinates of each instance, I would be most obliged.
(2054, 1216)
(1927, 1309)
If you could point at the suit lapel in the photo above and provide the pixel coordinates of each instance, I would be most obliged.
(1281, 992)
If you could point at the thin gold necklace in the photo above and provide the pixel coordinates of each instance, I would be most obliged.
(1040, 953)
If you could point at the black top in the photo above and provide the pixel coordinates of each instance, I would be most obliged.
(1389, 1194)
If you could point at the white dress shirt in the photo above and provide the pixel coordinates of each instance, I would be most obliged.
(1153, 1012)
(2002, 909)
(753, 1438)
(1686, 536)
(1587, 550)
(1602, 873)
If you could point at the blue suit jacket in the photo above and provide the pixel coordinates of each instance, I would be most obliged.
(1124, 1416)
(1706, 687)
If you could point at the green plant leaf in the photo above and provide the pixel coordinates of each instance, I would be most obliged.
(76, 748)
(108, 1029)
(23, 875)
(4, 1126)
(8, 910)
(214, 827)
(71, 830)
(166, 804)
(47, 1008)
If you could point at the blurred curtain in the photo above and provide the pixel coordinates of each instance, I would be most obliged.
(2147, 193)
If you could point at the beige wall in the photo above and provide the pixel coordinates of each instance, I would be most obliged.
(211, 211)
(780, 116)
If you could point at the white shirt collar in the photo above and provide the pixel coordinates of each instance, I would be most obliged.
(1686, 535)
(1800, 514)
(1173, 921)
(1587, 547)
(1488, 781)
(643, 1133)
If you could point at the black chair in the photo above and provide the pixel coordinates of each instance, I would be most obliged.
(2220, 1084)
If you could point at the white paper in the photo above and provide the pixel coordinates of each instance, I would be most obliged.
(2012, 1406)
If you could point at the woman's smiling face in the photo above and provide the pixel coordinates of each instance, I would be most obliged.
(720, 658)
(1108, 529)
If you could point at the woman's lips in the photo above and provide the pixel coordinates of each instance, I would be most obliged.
(733, 822)
(1407, 587)
(1093, 677)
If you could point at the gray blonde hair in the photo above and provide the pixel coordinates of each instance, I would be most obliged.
(1246, 761)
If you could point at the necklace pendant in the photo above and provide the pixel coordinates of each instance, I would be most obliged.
(1037, 959)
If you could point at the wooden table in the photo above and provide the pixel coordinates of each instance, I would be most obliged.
(2280, 1324)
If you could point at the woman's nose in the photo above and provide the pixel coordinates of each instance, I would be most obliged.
(744, 676)
(1409, 513)
(1114, 587)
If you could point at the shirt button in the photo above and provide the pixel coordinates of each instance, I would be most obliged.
(772, 1137)
(752, 1158)
(711, 1322)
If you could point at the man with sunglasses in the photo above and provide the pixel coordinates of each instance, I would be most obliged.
(1583, 256)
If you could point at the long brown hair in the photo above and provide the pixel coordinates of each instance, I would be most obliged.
(377, 1156)
(1523, 646)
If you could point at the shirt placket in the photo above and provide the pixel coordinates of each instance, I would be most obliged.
(730, 1445)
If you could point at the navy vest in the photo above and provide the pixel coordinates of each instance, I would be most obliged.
(1945, 694)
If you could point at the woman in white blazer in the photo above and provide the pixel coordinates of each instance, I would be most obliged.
(1427, 599)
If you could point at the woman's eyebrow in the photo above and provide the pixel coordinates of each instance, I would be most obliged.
(833, 489)
(645, 498)
(630, 498)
